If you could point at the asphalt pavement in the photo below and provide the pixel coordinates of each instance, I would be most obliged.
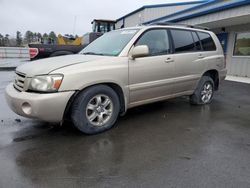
(166, 144)
(11, 63)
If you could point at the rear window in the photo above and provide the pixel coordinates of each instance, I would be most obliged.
(183, 40)
(206, 41)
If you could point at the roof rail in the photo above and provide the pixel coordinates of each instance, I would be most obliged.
(182, 25)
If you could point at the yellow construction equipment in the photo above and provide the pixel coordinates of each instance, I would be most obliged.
(62, 40)
(99, 27)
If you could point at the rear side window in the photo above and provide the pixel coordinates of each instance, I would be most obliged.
(196, 41)
(206, 41)
(156, 40)
(183, 41)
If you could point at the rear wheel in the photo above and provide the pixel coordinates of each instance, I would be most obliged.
(96, 109)
(204, 91)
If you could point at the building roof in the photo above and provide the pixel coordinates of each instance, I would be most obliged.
(221, 7)
(161, 5)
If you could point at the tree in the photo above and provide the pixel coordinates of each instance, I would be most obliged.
(45, 36)
(39, 36)
(6, 40)
(52, 37)
(1, 40)
(19, 39)
(34, 39)
(44, 39)
(29, 36)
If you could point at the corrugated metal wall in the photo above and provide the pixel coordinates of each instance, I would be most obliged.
(209, 5)
(14, 52)
(215, 17)
(237, 66)
(153, 13)
(119, 24)
(150, 13)
(134, 19)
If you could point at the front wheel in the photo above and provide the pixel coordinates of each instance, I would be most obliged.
(96, 109)
(204, 92)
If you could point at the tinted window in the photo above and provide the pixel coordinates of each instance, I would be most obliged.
(156, 40)
(183, 41)
(196, 41)
(207, 42)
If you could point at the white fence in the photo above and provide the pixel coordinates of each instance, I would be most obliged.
(14, 52)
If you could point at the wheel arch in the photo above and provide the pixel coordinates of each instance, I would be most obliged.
(214, 74)
(116, 87)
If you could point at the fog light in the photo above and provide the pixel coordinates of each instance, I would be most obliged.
(26, 108)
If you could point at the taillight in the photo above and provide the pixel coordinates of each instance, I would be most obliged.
(33, 52)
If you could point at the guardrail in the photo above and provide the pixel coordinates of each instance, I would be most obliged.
(14, 52)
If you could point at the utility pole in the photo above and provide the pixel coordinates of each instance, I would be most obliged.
(74, 26)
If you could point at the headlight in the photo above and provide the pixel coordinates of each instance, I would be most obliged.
(49, 83)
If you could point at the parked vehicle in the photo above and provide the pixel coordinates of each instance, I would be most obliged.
(52, 50)
(120, 70)
(66, 46)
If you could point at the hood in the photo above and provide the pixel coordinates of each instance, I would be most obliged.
(45, 66)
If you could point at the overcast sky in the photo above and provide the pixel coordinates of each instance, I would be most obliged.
(59, 15)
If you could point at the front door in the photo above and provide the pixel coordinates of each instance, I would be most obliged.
(150, 78)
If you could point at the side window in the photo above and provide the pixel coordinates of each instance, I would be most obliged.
(183, 40)
(156, 40)
(196, 41)
(206, 41)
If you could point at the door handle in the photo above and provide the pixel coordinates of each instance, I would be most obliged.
(169, 60)
(201, 56)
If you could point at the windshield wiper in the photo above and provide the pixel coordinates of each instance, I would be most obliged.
(92, 53)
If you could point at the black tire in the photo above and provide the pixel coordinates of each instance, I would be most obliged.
(60, 53)
(196, 98)
(79, 113)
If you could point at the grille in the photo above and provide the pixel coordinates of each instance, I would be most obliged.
(19, 81)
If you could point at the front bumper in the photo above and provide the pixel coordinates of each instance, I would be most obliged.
(46, 107)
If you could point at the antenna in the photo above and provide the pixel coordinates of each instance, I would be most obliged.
(74, 25)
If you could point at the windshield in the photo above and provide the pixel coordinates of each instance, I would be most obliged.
(110, 44)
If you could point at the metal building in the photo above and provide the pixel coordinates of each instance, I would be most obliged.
(149, 12)
(230, 20)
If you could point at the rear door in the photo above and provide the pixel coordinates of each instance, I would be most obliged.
(189, 60)
(150, 77)
(209, 49)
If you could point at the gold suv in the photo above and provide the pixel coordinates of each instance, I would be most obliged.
(120, 70)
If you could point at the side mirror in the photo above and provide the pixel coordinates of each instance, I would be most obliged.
(140, 51)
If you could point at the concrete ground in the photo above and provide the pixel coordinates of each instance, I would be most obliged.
(167, 144)
(11, 63)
